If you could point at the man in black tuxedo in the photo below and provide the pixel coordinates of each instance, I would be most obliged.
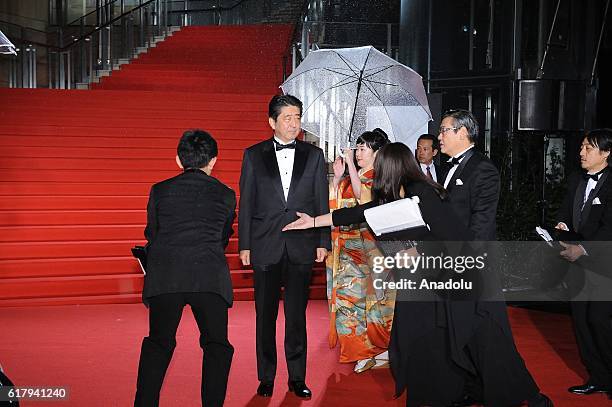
(587, 212)
(189, 223)
(280, 176)
(492, 369)
(426, 151)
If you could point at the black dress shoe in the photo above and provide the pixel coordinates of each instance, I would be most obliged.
(588, 389)
(465, 402)
(541, 400)
(300, 389)
(265, 389)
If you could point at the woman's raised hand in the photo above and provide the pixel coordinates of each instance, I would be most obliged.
(338, 167)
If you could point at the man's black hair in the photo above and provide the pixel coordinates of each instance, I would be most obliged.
(279, 101)
(196, 148)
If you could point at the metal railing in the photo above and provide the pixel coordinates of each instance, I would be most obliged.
(81, 50)
(116, 31)
(313, 32)
(216, 12)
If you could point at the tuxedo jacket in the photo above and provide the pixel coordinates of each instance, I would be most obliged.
(593, 222)
(189, 223)
(474, 194)
(264, 211)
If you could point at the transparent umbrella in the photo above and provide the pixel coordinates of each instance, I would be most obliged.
(347, 91)
(6, 47)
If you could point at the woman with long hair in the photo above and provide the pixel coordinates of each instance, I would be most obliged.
(419, 349)
(360, 318)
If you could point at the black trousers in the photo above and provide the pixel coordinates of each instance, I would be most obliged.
(593, 328)
(268, 281)
(165, 311)
(503, 378)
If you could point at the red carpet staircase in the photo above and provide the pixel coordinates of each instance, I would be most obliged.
(76, 166)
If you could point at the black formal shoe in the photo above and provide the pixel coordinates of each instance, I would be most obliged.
(588, 389)
(265, 389)
(466, 401)
(541, 400)
(300, 389)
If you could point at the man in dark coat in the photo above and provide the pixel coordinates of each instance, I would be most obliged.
(280, 176)
(426, 151)
(189, 223)
(481, 340)
(587, 214)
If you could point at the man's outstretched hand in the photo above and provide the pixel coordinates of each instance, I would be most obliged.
(321, 254)
(245, 257)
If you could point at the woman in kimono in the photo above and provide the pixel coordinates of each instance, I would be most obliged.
(360, 317)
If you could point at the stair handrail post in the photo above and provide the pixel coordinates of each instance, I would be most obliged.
(69, 68)
(60, 70)
(130, 36)
(49, 69)
(11, 76)
(83, 52)
(110, 34)
(123, 44)
(24, 66)
(141, 19)
(32, 67)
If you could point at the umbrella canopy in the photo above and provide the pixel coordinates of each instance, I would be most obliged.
(6, 47)
(347, 91)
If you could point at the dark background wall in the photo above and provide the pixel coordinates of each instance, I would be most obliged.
(524, 68)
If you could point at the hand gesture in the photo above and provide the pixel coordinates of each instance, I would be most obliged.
(304, 221)
(338, 167)
(571, 252)
(349, 153)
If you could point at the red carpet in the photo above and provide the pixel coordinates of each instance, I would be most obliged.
(94, 351)
(76, 166)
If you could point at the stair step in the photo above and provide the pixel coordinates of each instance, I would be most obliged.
(76, 167)
(127, 163)
(52, 144)
(62, 249)
(230, 178)
(240, 294)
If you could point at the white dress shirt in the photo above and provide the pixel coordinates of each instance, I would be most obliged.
(451, 172)
(285, 158)
(432, 169)
(591, 184)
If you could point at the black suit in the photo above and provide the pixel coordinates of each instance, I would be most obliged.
(439, 171)
(189, 222)
(474, 193)
(482, 333)
(419, 350)
(592, 314)
(281, 257)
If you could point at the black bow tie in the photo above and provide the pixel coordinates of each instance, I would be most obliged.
(456, 160)
(278, 146)
(594, 177)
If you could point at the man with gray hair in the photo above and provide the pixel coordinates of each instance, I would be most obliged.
(482, 345)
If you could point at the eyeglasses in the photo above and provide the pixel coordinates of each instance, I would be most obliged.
(445, 129)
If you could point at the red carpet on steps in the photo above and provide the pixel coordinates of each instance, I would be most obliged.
(76, 166)
(94, 350)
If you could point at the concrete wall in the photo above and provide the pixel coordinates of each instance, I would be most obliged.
(27, 13)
